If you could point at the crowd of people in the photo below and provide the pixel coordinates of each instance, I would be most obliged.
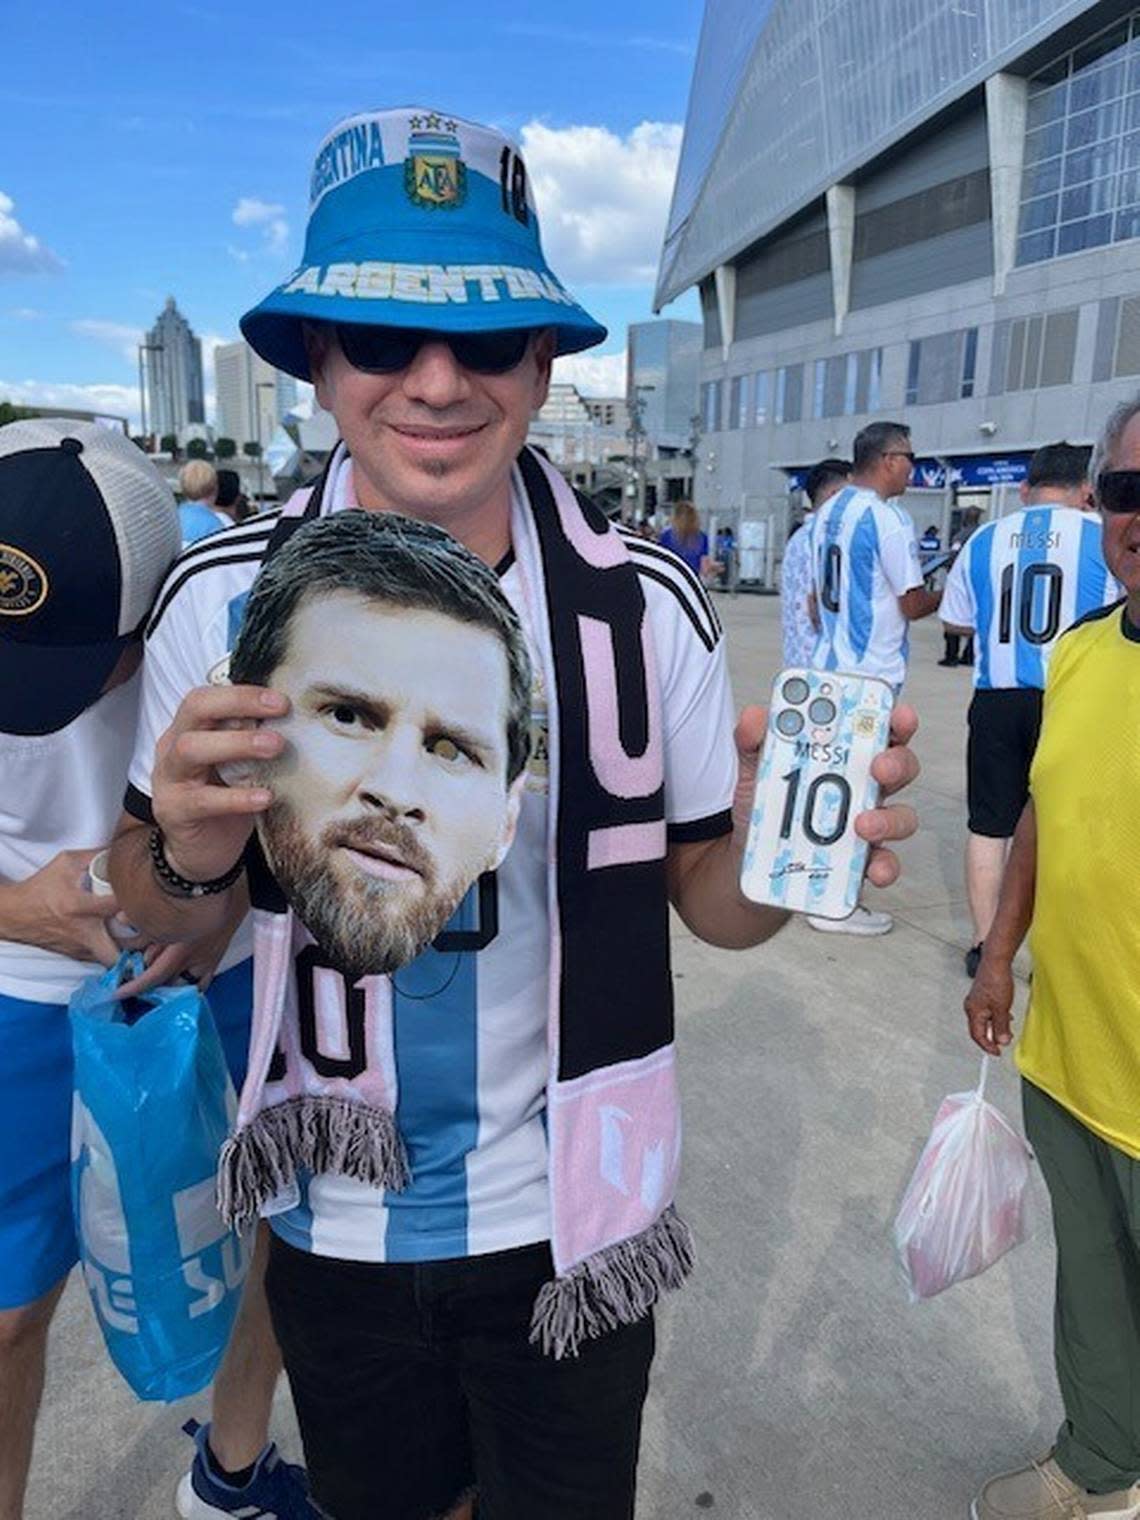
(427, 888)
(455, 1265)
(1049, 596)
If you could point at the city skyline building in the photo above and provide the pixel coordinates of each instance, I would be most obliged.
(173, 366)
(925, 212)
(252, 398)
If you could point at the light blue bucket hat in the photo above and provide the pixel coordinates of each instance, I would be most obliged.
(418, 219)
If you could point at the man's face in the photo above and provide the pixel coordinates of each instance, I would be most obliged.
(391, 795)
(435, 440)
(897, 459)
(1122, 529)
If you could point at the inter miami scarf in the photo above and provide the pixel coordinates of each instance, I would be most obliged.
(613, 1121)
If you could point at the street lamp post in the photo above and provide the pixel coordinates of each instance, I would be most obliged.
(635, 433)
(262, 385)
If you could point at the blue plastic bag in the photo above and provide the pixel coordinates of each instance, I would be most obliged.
(153, 1103)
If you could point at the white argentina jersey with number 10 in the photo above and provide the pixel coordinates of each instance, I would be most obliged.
(864, 558)
(1019, 583)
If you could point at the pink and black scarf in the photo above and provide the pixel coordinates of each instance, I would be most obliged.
(613, 1120)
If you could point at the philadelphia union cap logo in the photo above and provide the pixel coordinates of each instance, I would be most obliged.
(23, 583)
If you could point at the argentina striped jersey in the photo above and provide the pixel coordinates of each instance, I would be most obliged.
(1019, 583)
(465, 1024)
(864, 558)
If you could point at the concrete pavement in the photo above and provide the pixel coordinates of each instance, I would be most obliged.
(793, 1378)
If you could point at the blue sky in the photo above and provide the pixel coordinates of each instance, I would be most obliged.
(164, 148)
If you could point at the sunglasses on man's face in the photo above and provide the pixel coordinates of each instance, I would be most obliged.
(388, 350)
(1118, 490)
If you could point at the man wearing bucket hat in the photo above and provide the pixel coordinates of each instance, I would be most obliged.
(463, 1287)
(87, 532)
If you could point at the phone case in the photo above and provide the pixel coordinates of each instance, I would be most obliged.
(824, 729)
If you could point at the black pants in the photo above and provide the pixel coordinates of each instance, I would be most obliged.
(416, 1384)
(1004, 728)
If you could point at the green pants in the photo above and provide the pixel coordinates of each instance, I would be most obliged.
(1095, 1192)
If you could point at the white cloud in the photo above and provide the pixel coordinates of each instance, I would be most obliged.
(251, 212)
(24, 313)
(593, 374)
(20, 252)
(268, 215)
(603, 199)
(115, 400)
(118, 334)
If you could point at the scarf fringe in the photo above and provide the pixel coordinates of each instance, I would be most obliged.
(313, 1134)
(616, 1286)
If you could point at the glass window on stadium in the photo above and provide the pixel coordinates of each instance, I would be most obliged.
(763, 382)
(710, 406)
(943, 367)
(738, 401)
(848, 384)
(1081, 184)
(789, 394)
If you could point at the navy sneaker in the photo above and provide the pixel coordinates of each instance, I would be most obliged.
(277, 1491)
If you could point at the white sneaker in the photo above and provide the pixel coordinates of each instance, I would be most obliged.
(862, 921)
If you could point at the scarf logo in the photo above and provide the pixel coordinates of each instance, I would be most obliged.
(23, 583)
(435, 175)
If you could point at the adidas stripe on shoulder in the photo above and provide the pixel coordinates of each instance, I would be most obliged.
(664, 568)
(244, 543)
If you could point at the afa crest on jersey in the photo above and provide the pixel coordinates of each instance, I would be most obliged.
(435, 175)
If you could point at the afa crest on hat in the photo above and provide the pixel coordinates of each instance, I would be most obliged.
(434, 172)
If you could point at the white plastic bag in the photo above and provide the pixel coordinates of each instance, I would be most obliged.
(964, 1207)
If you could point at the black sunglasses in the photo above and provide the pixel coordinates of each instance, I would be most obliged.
(1118, 490)
(899, 454)
(387, 350)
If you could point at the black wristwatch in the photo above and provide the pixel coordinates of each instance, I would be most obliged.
(175, 885)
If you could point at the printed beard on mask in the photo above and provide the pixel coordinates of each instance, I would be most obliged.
(366, 892)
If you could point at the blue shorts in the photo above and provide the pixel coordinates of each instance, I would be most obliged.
(37, 1234)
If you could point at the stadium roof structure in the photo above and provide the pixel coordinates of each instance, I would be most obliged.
(789, 97)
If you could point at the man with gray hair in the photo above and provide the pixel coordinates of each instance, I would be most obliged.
(1069, 884)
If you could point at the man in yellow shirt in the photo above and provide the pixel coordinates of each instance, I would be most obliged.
(1070, 882)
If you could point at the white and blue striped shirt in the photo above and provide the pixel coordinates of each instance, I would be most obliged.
(1019, 583)
(468, 1028)
(864, 558)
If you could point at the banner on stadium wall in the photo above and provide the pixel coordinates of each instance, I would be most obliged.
(980, 470)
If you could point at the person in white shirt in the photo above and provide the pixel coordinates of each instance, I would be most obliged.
(416, 1310)
(1015, 588)
(87, 531)
(868, 586)
(798, 612)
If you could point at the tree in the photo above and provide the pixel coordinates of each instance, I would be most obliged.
(11, 413)
(251, 450)
(169, 444)
(225, 448)
(197, 448)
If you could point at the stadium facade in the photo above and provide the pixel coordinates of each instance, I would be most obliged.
(926, 209)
